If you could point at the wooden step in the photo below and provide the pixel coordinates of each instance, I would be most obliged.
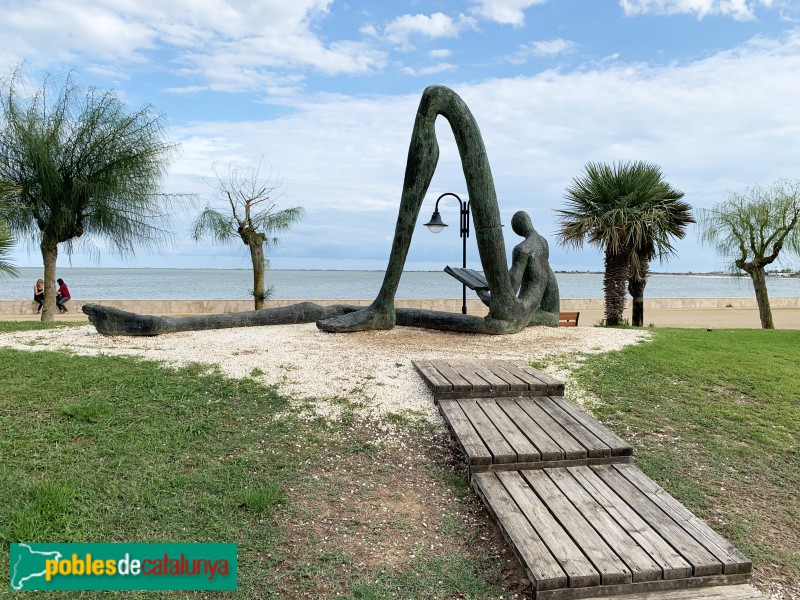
(603, 530)
(722, 592)
(485, 379)
(519, 433)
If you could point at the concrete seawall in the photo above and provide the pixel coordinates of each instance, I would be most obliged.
(706, 313)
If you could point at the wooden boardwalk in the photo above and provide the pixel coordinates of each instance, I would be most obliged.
(485, 379)
(528, 433)
(582, 532)
(583, 521)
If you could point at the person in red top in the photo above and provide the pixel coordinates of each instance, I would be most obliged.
(62, 296)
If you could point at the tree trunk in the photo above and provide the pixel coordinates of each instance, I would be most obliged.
(614, 287)
(759, 277)
(636, 289)
(49, 258)
(257, 256)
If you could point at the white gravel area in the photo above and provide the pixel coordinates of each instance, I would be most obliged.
(372, 367)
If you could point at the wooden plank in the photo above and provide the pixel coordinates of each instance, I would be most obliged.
(542, 568)
(515, 384)
(619, 447)
(611, 568)
(535, 385)
(672, 565)
(702, 561)
(501, 450)
(640, 564)
(555, 387)
(432, 378)
(499, 385)
(732, 560)
(724, 592)
(594, 445)
(580, 571)
(548, 448)
(480, 387)
(467, 438)
(526, 452)
(458, 382)
(549, 464)
(652, 590)
(572, 449)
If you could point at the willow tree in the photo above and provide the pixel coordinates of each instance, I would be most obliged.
(751, 229)
(87, 169)
(252, 215)
(631, 213)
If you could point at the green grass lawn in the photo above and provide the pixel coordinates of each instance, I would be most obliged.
(114, 449)
(714, 417)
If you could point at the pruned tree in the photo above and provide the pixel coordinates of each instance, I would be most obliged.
(86, 169)
(251, 214)
(751, 229)
(629, 211)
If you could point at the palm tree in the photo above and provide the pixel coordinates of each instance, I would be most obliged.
(253, 217)
(629, 211)
(6, 239)
(666, 217)
(86, 169)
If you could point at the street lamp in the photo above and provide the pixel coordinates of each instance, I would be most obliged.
(436, 225)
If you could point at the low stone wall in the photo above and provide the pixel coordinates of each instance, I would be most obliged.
(474, 306)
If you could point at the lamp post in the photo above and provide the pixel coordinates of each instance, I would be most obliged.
(436, 225)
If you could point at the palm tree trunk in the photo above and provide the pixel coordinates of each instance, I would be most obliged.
(759, 277)
(257, 256)
(49, 259)
(614, 287)
(636, 287)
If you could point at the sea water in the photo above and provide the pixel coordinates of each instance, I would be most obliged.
(233, 284)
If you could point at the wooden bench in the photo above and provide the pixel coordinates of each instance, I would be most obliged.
(568, 319)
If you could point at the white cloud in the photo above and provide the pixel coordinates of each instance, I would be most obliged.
(542, 48)
(438, 25)
(506, 12)
(740, 10)
(431, 70)
(440, 53)
(232, 45)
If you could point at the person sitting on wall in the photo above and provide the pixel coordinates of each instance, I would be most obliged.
(38, 294)
(62, 296)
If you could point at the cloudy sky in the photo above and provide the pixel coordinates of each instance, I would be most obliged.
(324, 93)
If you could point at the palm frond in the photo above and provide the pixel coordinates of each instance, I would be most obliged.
(623, 208)
(212, 223)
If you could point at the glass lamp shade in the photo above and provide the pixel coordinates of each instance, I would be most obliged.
(436, 224)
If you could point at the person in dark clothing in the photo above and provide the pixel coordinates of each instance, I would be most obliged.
(62, 296)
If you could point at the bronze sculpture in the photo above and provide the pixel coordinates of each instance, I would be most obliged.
(525, 295)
